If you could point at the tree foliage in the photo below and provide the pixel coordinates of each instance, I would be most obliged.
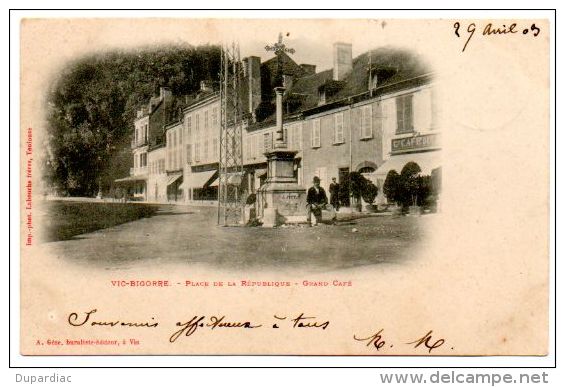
(92, 106)
(391, 186)
(409, 188)
(357, 186)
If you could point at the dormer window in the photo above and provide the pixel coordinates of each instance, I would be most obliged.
(328, 90)
(379, 75)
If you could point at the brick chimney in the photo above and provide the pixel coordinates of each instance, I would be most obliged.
(252, 82)
(164, 92)
(343, 60)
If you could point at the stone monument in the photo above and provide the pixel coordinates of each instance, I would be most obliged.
(281, 199)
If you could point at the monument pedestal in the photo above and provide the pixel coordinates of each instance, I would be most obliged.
(281, 199)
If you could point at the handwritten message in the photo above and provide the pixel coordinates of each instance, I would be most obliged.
(90, 322)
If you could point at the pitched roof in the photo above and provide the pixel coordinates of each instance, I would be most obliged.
(405, 64)
(306, 88)
(401, 67)
(290, 67)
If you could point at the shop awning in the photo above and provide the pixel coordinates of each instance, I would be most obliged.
(199, 179)
(131, 179)
(426, 160)
(234, 178)
(260, 172)
(173, 177)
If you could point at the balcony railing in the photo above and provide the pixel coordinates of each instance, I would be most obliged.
(138, 171)
(138, 143)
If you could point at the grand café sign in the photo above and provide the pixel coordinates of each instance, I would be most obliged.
(415, 143)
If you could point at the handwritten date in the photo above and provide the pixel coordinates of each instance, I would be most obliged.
(492, 30)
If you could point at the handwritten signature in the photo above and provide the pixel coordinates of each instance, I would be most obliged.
(377, 341)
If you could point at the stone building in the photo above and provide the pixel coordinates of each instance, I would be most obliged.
(368, 114)
(147, 137)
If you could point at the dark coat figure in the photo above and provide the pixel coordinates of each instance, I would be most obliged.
(334, 194)
(317, 200)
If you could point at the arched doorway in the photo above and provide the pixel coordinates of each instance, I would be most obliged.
(366, 167)
(367, 170)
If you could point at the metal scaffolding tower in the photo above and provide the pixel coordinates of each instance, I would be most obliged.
(230, 202)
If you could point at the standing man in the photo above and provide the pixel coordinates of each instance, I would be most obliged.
(334, 194)
(317, 200)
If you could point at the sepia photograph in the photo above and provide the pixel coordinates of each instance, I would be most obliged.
(284, 186)
(150, 145)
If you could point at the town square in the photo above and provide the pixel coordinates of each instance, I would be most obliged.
(263, 160)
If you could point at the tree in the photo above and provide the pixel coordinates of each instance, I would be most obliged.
(392, 186)
(410, 184)
(92, 106)
(355, 185)
(369, 192)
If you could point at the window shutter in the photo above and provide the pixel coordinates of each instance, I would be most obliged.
(316, 134)
(367, 122)
(338, 128)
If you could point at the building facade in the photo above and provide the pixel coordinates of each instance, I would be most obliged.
(201, 148)
(147, 139)
(369, 114)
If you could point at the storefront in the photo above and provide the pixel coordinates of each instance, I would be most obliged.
(175, 191)
(201, 186)
(131, 188)
(424, 150)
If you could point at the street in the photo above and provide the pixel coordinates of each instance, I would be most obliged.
(176, 234)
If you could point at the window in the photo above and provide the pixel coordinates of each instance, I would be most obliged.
(214, 117)
(338, 128)
(188, 127)
(298, 136)
(315, 134)
(206, 119)
(366, 122)
(251, 147)
(404, 116)
(267, 141)
(189, 154)
(257, 146)
(197, 152)
(434, 108)
(197, 123)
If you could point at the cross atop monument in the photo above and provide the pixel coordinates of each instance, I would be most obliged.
(279, 48)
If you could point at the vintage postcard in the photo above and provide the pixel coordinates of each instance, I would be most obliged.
(197, 186)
